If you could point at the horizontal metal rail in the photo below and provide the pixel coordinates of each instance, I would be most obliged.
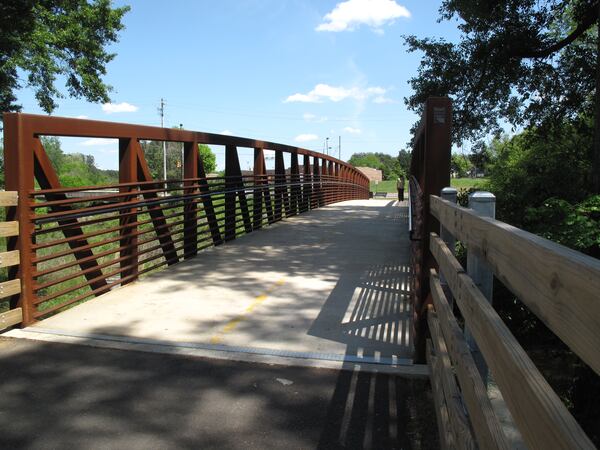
(80, 246)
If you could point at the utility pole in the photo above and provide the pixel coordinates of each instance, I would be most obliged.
(182, 156)
(161, 111)
(327, 145)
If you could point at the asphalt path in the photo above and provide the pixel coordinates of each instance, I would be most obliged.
(62, 396)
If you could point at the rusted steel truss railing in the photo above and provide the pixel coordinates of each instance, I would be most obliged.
(73, 248)
(429, 173)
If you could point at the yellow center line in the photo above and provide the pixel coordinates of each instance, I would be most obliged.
(217, 338)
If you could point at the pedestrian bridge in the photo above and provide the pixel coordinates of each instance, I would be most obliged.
(322, 288)
(296, 266)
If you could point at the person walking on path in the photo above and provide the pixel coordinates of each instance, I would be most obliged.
(400, 187)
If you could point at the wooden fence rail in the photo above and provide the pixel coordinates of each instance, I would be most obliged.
(559, 285)
(12, 287)
(73, 247)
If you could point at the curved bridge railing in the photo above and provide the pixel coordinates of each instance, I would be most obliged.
(73, 247)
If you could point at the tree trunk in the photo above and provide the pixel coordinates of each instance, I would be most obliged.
(596, 157)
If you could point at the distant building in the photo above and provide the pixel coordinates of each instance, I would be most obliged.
(371, 174)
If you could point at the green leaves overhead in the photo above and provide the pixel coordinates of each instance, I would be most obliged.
(525, 61)
(46, 40)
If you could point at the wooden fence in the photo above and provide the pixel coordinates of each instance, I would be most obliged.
(10, 260)
(560, 286)
(73, 247)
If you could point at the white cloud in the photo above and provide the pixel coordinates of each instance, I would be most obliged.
(352, 130)
(226, 133)
(335, 94)
(82, 117)
(110, 108)
(381, 99)
(312, 118)
(306, 137)
(94, 142)
(348, 15)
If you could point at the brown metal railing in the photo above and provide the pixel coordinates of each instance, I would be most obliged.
(429, 173)
(73, 247)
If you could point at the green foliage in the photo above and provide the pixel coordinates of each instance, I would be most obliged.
(73, 169)
(539, 164)
(46, 39)
(460, 165)
(389, 165)
(481, 158)
(208, 158)
(76, 169)
(524, 61)
(575, 225)
(153, 152)
(404, 157)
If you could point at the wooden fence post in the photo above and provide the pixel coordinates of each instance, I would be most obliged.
(450, 194)
(484, 204)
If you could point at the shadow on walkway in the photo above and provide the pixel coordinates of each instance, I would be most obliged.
(71, 396)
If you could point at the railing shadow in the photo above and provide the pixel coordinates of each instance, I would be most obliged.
(378, 411)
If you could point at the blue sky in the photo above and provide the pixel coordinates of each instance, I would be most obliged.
(293, 71)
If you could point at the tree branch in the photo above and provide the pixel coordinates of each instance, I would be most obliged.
(589, 20)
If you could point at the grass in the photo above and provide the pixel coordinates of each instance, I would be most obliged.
(466, 183)
(458, 183)
(383, 186)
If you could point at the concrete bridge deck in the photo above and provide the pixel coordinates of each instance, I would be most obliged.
(323, 288)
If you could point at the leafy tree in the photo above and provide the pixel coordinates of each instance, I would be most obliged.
(539, 164)
(524, 61)
(209, 159)
(153, 151)
(389, 165)
(481, 157)
(46, 39)
(404, 161)
(460, 165)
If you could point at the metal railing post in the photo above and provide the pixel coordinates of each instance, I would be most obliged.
(484, 204)
(19, 176)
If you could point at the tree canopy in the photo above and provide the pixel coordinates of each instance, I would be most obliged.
(153, 152)
(389, 166)
(46, 39)
(523, 61)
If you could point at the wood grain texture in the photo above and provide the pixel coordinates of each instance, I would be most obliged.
(9, 258)
(559, 285)
(9, 198)
(486, 426)
(8, 229)
(458, 421)
(540, 415)
(441, 411)
(11, 318)
(10, 288)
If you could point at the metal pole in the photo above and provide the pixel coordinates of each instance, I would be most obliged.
(182, 145)
(339, 147)
(162, 124)
(484, 204)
